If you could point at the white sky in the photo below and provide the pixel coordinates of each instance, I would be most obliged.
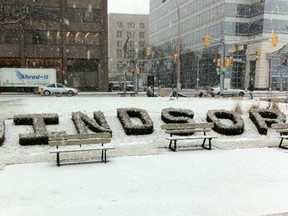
(128, 6)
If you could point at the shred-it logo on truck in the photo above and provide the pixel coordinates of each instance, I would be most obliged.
(23, 76)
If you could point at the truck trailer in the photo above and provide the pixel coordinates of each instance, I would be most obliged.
(25, 79)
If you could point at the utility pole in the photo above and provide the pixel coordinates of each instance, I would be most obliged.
(222, 69)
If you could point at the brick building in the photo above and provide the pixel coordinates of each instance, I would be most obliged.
(69, 35)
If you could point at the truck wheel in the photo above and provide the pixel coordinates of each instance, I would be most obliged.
(47, 93)
(241, 94)
(35, 91)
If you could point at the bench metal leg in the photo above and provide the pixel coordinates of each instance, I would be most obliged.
(175, 145)
(105, 155)
(58, 158)
(170, 144)
(209, 145)
(280, 145)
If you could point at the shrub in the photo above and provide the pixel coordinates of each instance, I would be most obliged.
(264, 118)
(82, 122)
(172, 115)
(38, 122)
(125, 115)
(236, 128)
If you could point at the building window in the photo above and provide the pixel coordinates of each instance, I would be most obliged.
(142, 25)
(141, 34)
(131, 43)
(130, 34)
(78, 15)
(119, 65)
(79, 38)
(88, 15)
(130, 24)
(11, 37)
(119, 53)
(119, 24)
(142, 43)
(70, 39)
(84, 15)
(119, 34)
(119, 43)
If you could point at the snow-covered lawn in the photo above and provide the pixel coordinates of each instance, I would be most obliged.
(142, 176)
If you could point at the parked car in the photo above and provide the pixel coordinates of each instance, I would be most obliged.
(117, 86)
(57, 88)
(226, 92)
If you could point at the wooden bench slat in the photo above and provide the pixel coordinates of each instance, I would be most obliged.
(279, 126)
(79, 136)
(79, 142)
(281, 130)
(184, 131)
(187, 125)
(190, 137)
(81, 149)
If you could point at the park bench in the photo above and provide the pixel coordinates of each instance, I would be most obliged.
(282, 129)
(80, 142)
(188, 131)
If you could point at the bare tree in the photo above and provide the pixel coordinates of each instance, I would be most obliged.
(12, 13)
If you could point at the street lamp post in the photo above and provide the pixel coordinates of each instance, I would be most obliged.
(178, 47)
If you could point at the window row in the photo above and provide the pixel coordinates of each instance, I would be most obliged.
(130, 25)
(84, 15)
(130, 43)
(39, 13)
(129, 34)
(51, 37)
(130, 53)
(244, 29)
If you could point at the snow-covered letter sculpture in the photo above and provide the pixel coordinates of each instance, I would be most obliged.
(125, 115)
(235, 127)
(264, 118)
(38, 122)
(174, 115)
(82, 122)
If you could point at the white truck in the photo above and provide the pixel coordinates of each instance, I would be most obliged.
(25, 79)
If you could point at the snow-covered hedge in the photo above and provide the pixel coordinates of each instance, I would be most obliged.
(264, 118)
(82, 122)
(125, 115)
(38, 122)
(173, 115)
(235, 128)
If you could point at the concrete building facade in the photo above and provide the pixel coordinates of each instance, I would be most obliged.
(69, 35)
(243, 26)
(128, 40)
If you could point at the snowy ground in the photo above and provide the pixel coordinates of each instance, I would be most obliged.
(240, 176)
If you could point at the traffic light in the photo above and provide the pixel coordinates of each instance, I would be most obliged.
(231, 58)
(227, 62)
(274, 39)
(257, 55)
(148, 52)
(219, 63)
(176, 58)
(207, 40)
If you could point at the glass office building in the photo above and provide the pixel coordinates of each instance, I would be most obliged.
(244, 26)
